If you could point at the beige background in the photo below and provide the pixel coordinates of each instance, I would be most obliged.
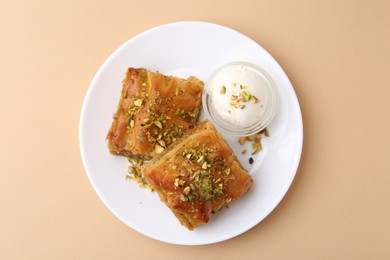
(337, 55)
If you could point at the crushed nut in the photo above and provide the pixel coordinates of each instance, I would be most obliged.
(183, 198)
(178, 182)
(134, 173)
(162, 143)
(254, 99)
(204, 165)
(223, 90)
(158, 149)
(158, 124)
(256, 141)
(187, 190)
(138, 102)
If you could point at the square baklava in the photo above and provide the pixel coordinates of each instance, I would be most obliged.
(154, 111)
(197, 175)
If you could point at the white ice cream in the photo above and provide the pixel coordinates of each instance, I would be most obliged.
(238, 95)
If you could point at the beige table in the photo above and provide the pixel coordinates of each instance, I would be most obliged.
(336, 54)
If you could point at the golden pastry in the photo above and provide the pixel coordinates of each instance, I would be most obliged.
(197, 175)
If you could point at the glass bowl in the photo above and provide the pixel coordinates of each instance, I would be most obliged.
(240, 98)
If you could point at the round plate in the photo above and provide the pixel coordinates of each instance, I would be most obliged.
(183, 49)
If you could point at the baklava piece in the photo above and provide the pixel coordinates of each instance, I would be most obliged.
(154, 110)
(197, 175)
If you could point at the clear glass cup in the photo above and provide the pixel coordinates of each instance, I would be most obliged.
(269, 110)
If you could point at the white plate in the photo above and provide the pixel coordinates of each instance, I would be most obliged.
(184, 49)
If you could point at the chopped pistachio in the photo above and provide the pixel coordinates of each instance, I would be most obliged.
(200, 158)
(162, 143)
(151, 138)
(258, 149)
(243, 86)
(250, 138)
(266, 133)
(247, 95)
(138, 102)
(255, 140)
(227, 171)
(131, 169)
(178, 182)
(204, 165)
(134, 173)
(223, 90)
(132, 123)
(158, 149)
(187, 190)
(158, 124)
(183, 198)
(197, 177)
(254, 99)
